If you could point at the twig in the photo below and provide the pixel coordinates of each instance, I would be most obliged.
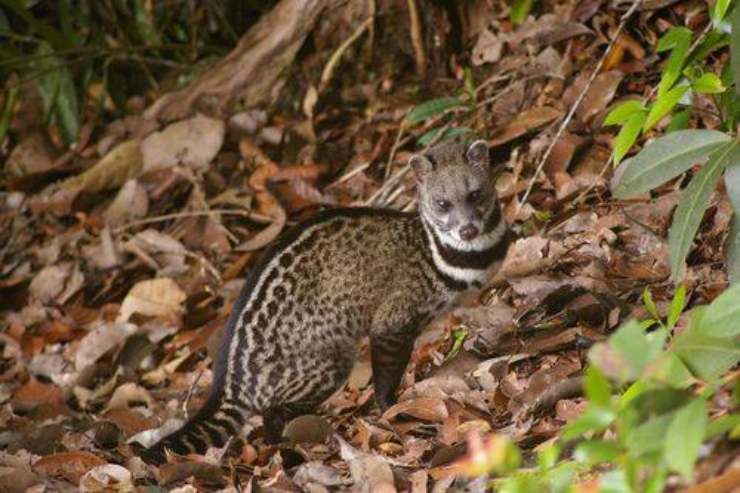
(396, 144)
(693, 47)
(362, 167)
(190, 394)
(417, 39)
(178, 215)
(577, 102)
(337, 55)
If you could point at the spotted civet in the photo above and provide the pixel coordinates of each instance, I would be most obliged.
(293, 334)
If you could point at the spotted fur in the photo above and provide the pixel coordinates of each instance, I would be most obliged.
(345, 274)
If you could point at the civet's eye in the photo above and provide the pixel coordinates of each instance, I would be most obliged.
(475, 197)
(443, 205)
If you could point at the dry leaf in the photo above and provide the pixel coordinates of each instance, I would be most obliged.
(426, 408)
(527, 121)
(193, 142)
(160, 297)
(131, 202)
(370, 473)
(107, 478)
(69, 465)
(113, 170)
(100, 340)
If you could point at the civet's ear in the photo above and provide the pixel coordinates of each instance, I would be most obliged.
(422, 166)
(477, 154)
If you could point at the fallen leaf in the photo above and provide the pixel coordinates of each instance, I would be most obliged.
(107, 478)
(69, 465)
(193, 142)
(103, 338)
(370, 473)
(113, 170)
(525, 122)
(34, 393)
(16, 480)
(425, 408)
(33, 154)
(599, 95)
(131, 202)
(308, 428)
(160, 297)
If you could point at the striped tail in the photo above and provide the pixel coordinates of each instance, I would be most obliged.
(214, 424)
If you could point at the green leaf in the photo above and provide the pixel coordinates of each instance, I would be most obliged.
(672, 371)
(649, 437)
(450, 133)
(655, 483)
(594, 452)
(708, 84)
(665, 158)
(722, 316)
(597, 387)
(679, 40)
(628, 135)
(614, 482)
(693, 202)
(720, 9)
(620, 114)
(58, 92)
(593, 419)
(732, 246)
(663, 105)
(7, 113)
(647, 300)
(677, 304)
(735, 49)
(520, 10)
(707, 357)
(548, 457)
(684, 436)
(679, 121)
(721, 425)
(432, 108)
(628, 351)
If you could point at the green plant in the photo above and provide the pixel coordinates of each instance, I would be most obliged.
(95, 53)
(685, 74)
(647, 411)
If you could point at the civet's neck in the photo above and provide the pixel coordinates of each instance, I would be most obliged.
(468, 263)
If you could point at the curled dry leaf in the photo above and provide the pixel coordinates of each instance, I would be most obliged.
(56, 283)
(113, 170)
(100, 340)
(370, 473)
(131, 202)
(267, 204)
(525, 122)
(193, 142)
(68, 465)
(107, 478)
(167, 252)
(33, 154)
(16, 480)
(425, 408)
(160, 297)
(316, 472)
(599, 95)
(308, 428)
(128, 394)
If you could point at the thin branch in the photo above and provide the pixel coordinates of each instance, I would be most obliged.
(577, 102)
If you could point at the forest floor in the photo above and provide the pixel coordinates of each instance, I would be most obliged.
(120, 260)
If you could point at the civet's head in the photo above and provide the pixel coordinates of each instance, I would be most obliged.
(456, 194)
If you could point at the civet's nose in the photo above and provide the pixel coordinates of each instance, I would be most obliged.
(468, 232)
